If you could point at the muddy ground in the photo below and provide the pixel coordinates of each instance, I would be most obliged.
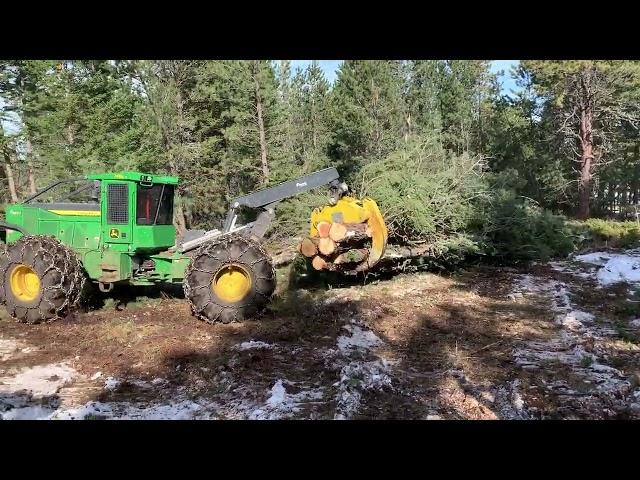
(547, 342)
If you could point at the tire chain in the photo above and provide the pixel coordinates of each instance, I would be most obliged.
(4, 263)
(208, 249)
(61, 259)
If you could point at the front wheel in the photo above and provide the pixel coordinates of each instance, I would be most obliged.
(40, 279)
(229, 280)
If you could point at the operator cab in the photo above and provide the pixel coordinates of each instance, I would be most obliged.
(128, 211)
(137, 210)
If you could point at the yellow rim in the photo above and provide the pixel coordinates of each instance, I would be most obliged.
(232, 283)
(25, 284)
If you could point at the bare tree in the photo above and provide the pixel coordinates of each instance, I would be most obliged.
(593, 101)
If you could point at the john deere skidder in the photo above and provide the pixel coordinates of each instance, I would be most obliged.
(117, 229)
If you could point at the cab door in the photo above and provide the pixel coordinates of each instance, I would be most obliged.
(117, 211)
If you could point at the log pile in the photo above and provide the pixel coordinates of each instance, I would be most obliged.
(342, 247)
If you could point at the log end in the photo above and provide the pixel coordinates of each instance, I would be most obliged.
(318, 263)
(323, 229)
(326, 246)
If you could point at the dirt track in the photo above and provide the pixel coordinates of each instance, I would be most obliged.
(489, 343)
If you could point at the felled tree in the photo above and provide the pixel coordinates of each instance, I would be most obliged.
(424, 191)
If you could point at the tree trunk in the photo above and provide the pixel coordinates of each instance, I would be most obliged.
(261, 129)
(635, 186)
(407, 132)
(69, 134)
(180, 219)
(10, 179)
(586, 145)
(30, 171)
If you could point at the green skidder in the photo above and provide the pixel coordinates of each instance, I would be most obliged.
(118, 229)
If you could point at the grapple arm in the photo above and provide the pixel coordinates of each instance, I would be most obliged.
(267, 198)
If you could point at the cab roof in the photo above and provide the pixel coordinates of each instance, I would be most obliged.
(135, 177)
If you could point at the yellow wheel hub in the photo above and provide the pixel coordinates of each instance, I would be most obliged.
(24, 283)
(232, 283)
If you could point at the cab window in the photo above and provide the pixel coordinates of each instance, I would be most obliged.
(154, 205)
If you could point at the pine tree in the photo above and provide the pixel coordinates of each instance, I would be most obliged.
(591, 100)
(464, 91)
(309, 110)
(422, 113)
(366, 112)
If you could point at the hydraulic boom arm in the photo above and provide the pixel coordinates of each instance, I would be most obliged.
(268, 198)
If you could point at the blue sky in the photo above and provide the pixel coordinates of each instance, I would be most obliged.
(507, 82)
(329, 67)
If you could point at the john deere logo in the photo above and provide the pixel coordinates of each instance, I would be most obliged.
(114, 233)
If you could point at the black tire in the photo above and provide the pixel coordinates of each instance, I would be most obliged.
(4, 260)
(61, 279)
(212, 260)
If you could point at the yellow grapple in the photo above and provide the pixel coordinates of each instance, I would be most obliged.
(351, 210)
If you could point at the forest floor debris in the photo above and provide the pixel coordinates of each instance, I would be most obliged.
(558, 340)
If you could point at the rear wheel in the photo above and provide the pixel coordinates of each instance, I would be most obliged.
(40, 279)
(229, 280)
(4, 260)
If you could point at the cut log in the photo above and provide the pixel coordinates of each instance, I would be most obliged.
(318, 263)
(308, 248)
(323, 229)
(354, 237)
(284, 258)
(351, 232)
(337, 232)
(400, 252)
(326, 246)
(352, 256)
(357, 227)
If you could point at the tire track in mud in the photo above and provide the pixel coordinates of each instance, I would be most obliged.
(570, 371)
(352, 369)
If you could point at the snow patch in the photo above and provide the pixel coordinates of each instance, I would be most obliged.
(509, 402)
(111, 383)
(574, 319)
(8, 348)
(28, 413)
(576, 271)
(252, 344)
(567, 316)
(356, 375)
(357, 378)
(282, 404)
(359, 339)
(179, 410)
(41, 380)
(595, 258)
(614, 267)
